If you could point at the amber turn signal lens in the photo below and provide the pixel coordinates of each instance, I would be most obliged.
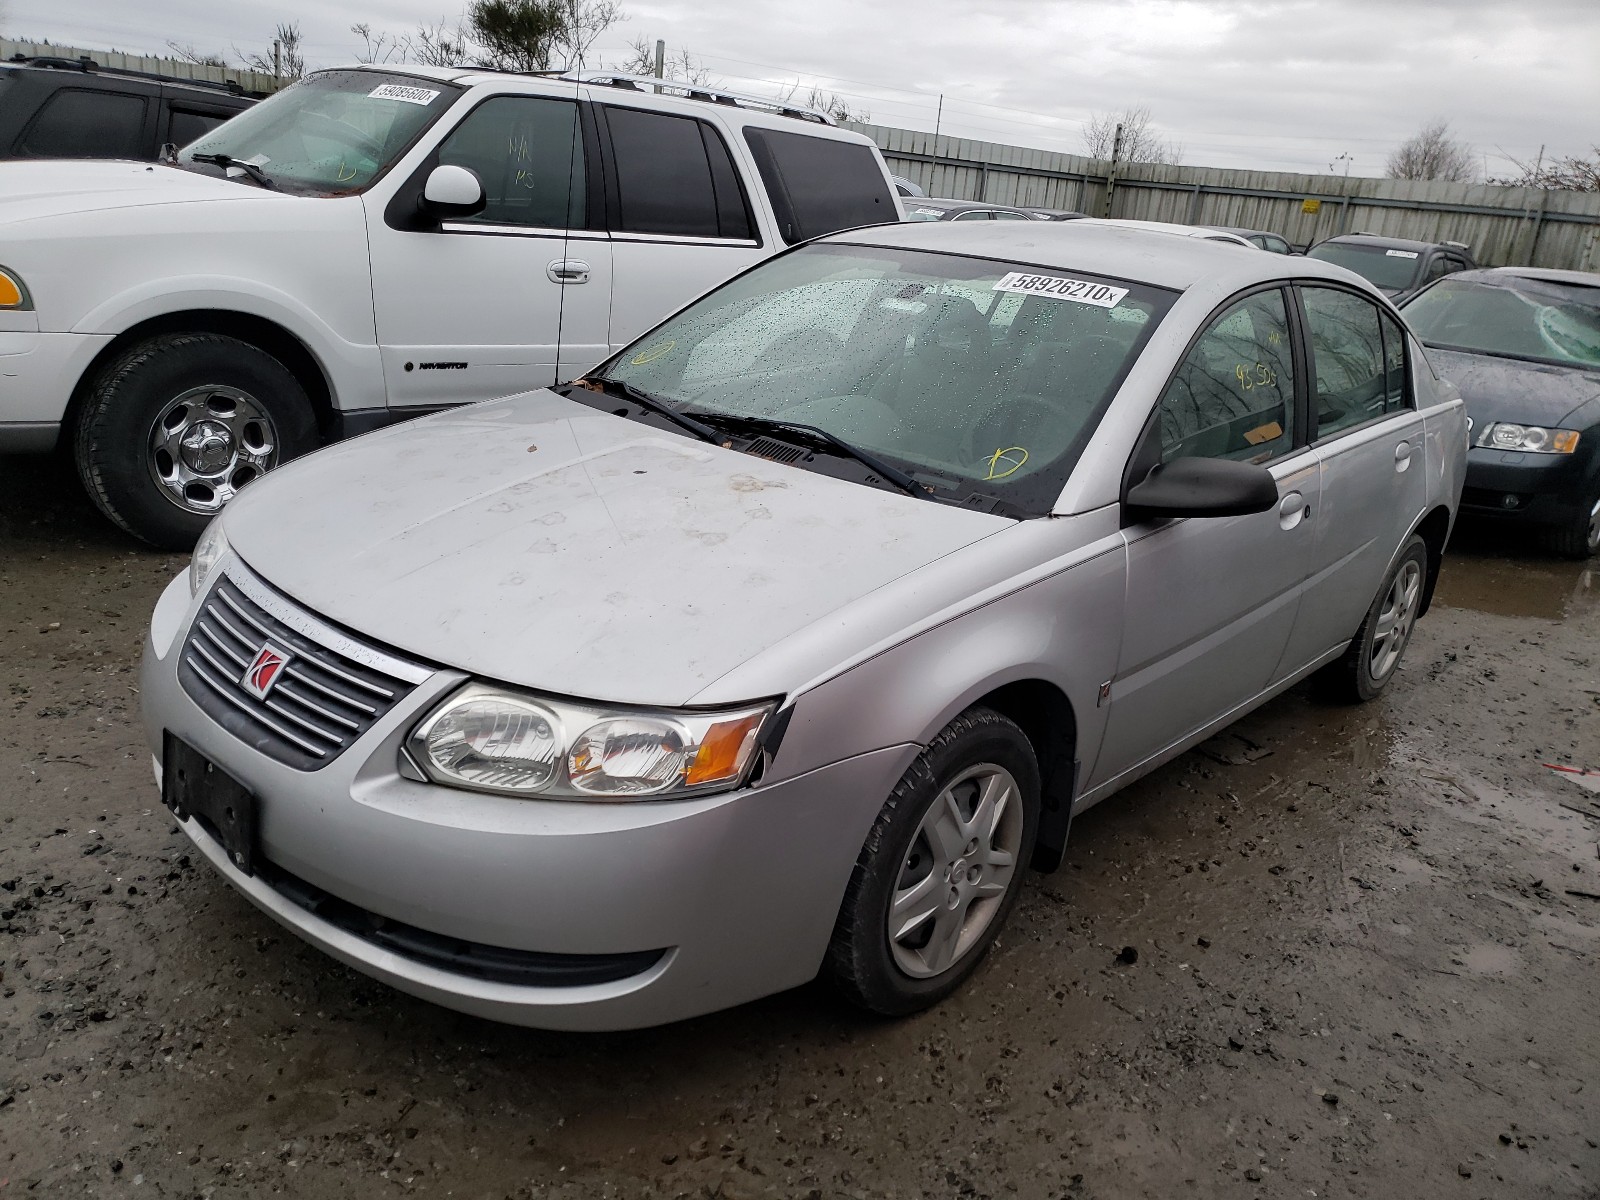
(10, 292)
(1565, 441)
(724, 751)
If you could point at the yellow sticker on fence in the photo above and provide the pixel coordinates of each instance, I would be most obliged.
(1311, 206)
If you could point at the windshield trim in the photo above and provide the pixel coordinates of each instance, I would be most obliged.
(293, 187)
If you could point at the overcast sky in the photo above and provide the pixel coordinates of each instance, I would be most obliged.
(1269, 84)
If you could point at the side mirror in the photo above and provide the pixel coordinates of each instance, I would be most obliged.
(1203, 487)
(452, 192)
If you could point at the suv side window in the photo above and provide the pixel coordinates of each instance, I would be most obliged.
(1438, 268)
(974, 214)
(674, 176)
(820, 185)
(528, 153)
(185, 126)
(1348, 364)
(78, 123)
(1233, 394)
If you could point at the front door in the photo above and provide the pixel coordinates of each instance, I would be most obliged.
(481, 307)
(1368, 434)
(1212, 601)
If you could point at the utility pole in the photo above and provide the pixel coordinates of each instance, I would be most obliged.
(1111, 175)
(938, 117)
(1345, 158)
(661, 60)
(277, 58)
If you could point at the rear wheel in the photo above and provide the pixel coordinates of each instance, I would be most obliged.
(1579, 538)
(1374, 654)
(941, 868)
(177, 425)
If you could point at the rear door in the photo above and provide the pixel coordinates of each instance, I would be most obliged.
(679, 216)
(91, 119)
(1212, 602)
(1368, 436)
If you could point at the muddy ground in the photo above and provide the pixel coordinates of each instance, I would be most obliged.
(1367, 943)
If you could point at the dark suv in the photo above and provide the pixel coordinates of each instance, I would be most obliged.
(75, 108)
(1399, 267)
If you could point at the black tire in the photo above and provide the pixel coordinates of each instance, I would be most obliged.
(1579, 538)
(113, 438)
(1355, 678)
(861, 960)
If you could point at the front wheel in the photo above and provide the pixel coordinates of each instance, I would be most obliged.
(1579, 538)
(941, 868)
(1374, 654)
(178, 424)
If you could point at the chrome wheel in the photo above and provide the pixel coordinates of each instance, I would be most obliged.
(207, 443)
(1395, 621)
(957, 871)
(1593, 539)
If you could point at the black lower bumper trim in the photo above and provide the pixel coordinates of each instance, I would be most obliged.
(495, 964)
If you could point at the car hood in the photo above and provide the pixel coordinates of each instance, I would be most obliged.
(1511, 389)
(50, 187)
(540, 542)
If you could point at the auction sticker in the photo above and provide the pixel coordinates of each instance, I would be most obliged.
(1058, 287)
(1401, 253)
(396, 91)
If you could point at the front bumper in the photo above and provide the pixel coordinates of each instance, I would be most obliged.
(1538, 489)
(38, 372)
(740, 890)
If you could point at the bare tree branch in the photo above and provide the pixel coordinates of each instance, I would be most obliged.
(828, 102)
(187, 53)
(1141, 143)
(1568, 173)
(290, 59)
(1433, 154)
(378, 47)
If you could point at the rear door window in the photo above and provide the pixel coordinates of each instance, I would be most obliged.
(186, 125)
(673, 176)
(1348, 366)
(820, 185)
(79, 123)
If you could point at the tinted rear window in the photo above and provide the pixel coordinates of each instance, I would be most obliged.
(674, 176)
(77, 123)
(820, 185)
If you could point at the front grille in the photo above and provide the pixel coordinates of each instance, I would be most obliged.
(319, 704)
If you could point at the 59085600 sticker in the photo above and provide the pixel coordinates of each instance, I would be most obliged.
(399, 91)
(1058, 287)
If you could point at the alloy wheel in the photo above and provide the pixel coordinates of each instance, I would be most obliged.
(209, 442)
(1396, 620)
(961, 863)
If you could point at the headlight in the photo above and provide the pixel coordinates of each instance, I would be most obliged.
(1534, 439)
(13, 293)
(492, 740)
(208, 552)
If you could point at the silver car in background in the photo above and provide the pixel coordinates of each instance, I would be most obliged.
(786, 640)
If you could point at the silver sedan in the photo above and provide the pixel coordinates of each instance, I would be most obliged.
(789, 637)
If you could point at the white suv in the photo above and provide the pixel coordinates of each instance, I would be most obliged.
(372, 244)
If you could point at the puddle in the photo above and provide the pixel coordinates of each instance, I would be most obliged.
(1491, 576)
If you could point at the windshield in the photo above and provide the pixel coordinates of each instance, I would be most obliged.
(971, 375)
(333, 132)
(1391, 270)
(1518, 318)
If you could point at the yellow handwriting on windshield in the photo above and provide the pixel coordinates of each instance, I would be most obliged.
(1006, 461)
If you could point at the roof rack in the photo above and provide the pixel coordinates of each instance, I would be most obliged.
(1459, 245)
(88, 66)
(697, 91)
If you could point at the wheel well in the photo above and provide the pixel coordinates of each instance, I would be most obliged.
(258, 331)
(1043, 712)
(1434, 532)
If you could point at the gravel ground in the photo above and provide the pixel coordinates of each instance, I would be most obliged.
(1334, 952)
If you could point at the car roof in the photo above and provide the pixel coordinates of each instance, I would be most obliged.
(1246, 233)
(68, 68)
(1205, 233)
(1542, 274)
(1117, 250)
(1378, 239)
(961, 205)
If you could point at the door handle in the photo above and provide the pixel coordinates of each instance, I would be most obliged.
(1402, 456)
(565, 271)
(1293, 509)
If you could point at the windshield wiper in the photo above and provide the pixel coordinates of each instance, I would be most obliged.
(893, 474)
(261, 178)
(657, 405)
